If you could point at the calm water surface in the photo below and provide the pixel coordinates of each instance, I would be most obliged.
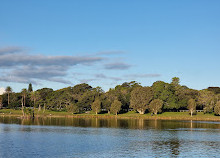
(77, 137)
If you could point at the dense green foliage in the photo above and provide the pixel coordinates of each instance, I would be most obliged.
(141, 98)
(160, 97)
(156, 106)
(217, 108)
(115, 107)
(96, 106)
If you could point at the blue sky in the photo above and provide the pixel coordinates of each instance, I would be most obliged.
(57, 43)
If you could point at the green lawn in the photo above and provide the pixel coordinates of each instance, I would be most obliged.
(12, 111)
(131, 114)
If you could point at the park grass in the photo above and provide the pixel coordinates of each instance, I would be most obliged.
(129, 115)
(10, 111)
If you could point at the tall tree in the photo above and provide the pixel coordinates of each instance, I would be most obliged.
(158, 88)
(166, 92)
(115, 107)
(207, 100)
(8, 90)
(73, 108)
(44, 94)
(30, 89)
(155, 106)
(23, 100)
(191, 106)
(106, 104)
(110, 96)
(24, 95)
(140, 98)
(35, 96)
(96, 106)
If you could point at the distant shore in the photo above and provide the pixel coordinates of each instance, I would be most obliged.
(130, 115)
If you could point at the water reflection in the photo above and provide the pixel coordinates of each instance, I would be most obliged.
(113, 123)
(58, 137)
(171, 147)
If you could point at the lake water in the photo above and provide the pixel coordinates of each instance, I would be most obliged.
(78, 137)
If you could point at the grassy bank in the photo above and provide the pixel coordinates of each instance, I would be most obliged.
(128, 115)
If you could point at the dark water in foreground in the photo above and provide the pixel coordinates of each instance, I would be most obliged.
(74, 137)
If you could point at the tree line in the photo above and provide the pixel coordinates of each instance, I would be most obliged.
(158, 98)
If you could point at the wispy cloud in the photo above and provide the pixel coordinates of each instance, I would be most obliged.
(11, 50)
(86, 80)
(42, 60)
(27, 74)
(102, 76)
(117, 66)
(23, 67)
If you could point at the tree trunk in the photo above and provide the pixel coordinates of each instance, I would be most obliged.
(96, 112)
(24, 100)
(39, 108)
(141, 111)
(44, 108)
(22, 106)
(33, 114)
(8, 99)
(108, 111)
(191, 112)
(34, 102)
(116, 114)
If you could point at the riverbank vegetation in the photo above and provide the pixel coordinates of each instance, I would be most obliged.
(82, 99)
(128, 115)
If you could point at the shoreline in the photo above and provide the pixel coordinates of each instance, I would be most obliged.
(168, 116)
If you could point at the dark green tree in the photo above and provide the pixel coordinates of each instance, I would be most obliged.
(30, 89)
(158, 88)
(15, 100)
(106, 103)
(109, 98)
(73, 108)
(44, 93)
(123, 93)
(166, 93)
(207, 100)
